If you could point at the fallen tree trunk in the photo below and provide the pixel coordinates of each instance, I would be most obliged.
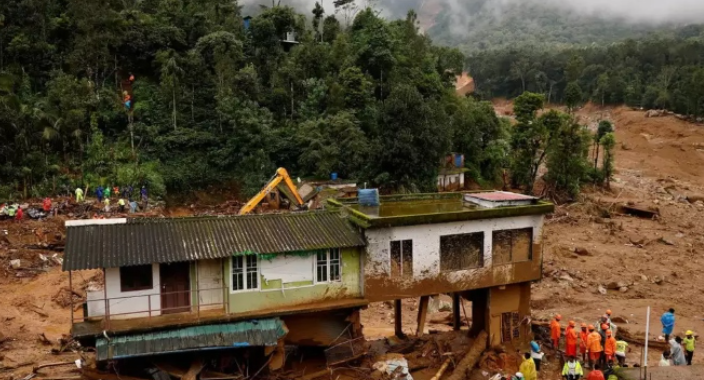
(471, 359)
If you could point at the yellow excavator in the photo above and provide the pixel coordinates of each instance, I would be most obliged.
(270, 191)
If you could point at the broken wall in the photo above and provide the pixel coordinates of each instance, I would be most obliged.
(509, 314)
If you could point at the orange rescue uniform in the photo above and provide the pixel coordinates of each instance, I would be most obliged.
(555, 332)
(570, 341)
(594, 346)
(610, 348)
(583, 335)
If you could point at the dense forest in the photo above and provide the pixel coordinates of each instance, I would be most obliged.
(186, 94)
(654, 72)
(478, 25)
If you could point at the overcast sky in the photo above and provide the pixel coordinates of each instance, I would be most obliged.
(689, 11)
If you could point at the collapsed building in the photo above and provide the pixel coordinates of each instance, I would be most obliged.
(175, 285)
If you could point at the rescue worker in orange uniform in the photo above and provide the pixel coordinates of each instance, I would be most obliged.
(583, 342)
(609, 347)
(571, 340)
(594, 346)
(556, 331)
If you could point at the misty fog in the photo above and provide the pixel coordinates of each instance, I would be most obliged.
(637, 11)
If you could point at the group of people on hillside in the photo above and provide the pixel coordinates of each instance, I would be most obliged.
(123, 195)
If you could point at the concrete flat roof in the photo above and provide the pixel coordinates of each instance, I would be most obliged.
(413, 209)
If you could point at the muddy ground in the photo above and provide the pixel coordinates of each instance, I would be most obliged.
(659, 161)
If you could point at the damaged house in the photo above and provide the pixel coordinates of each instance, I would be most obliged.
(484, 247)
(185, 284)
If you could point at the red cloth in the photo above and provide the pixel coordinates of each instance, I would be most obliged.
(19, 214)
(571, 350)
(595, 375)
(46, 205)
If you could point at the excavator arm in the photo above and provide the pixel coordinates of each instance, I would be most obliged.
(281, 175)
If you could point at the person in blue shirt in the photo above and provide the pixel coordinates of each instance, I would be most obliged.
(668, 323)
(99, 193)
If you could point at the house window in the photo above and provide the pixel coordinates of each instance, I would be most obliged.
(245, 272)
(463, 251)
(512, 246)
(402, 258)
(510, 327)
(136, 278)
(327, 266)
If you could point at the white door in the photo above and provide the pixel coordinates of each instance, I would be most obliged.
(210, 284)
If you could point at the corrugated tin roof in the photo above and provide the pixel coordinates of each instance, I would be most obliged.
(263, 332)
(151, 240)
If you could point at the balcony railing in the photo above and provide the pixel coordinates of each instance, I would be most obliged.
(151, 305)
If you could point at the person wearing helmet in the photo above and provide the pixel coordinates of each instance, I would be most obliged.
(537, 354)
(583, 342)
(572, 370)
(596, 373)
(594, 346)
(689, 346)
(571, 340)
(518, 376)
(607, 316)
(556, 331)
(609, 348)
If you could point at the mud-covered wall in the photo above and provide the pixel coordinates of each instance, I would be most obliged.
(428, 278)
(509, 299)
(302, 289)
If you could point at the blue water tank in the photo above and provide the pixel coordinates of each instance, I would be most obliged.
(333, 176)
(459, 160)
(535, 346)
(368, 197)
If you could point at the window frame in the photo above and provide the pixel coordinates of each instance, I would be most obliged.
(245, 273)
(482, 251)
(328, 266)
(513, 232)
(401, 253)
(139, 288)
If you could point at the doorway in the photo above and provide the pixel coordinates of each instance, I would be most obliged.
(175, 288)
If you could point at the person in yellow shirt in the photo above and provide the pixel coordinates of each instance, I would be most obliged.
(688, 343)
(621, 349)
(572, 370)
(527, 368)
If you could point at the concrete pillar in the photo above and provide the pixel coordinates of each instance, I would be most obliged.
(422, 313)
(456, 306)
(398, 322)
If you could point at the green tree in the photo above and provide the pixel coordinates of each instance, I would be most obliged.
(573, 96)
(608, 142)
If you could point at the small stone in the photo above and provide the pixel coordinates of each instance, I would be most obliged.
(613, 285)
(667, 241)
(582, 251)
(644, 277)
(657, 280)
(623, 289)
(566, 277)
(602, 290)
